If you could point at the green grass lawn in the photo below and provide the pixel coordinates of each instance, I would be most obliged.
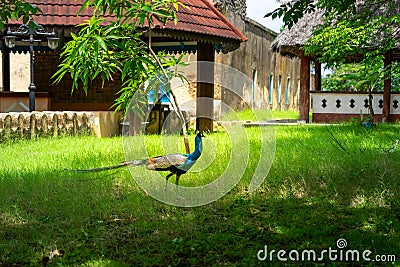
(287, 114)
(321, 188)
(258, 114)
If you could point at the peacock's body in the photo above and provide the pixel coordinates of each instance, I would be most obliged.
(177, 164)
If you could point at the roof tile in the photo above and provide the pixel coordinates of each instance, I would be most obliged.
(198, 16)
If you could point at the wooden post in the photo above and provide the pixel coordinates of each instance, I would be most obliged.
(387, 85)
(6, 66)
(305, 87)
(318, 76)
(205, 107)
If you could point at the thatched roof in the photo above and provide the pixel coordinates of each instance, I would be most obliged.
(289, 42)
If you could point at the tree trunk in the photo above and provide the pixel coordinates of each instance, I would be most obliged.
(387, 88)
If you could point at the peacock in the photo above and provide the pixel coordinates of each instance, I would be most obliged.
(177, 163)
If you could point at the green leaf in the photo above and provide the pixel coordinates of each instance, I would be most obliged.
(101, 42)
(98, 51)
(32, 24)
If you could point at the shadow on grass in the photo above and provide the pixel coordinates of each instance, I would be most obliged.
(310, 199)
(109, 221)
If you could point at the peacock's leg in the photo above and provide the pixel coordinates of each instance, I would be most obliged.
(166, 178)
(177, 179)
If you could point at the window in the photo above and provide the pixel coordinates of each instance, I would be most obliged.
(279, 88)
(253, 86)
(271, 88)
(287, 91)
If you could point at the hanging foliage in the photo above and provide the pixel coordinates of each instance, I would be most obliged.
(16, 9)
(110, 43)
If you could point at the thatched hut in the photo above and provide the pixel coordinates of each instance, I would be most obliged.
(290, 43)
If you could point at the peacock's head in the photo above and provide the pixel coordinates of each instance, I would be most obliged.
(200, 134)
(198, 137)
(198, 142)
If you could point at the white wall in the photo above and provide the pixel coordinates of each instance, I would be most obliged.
(19, 65)
(351, 103)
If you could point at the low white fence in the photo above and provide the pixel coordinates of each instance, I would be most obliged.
(346, 105)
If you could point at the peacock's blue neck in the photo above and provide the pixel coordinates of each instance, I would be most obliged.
(197, 150)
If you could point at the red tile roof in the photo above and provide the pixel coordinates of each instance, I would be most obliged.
(199, 20)
(202, 17)
(60, 12)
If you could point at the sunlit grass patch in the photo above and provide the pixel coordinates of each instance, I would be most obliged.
(317, 191)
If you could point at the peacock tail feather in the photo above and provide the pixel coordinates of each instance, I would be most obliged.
(128, 163)
(165, 162)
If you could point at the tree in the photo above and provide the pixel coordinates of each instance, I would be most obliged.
(349, 27)
(16, 9)
(110, 43)
(104, 46)
(365, 31)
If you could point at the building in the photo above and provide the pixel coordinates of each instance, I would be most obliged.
(277, 76)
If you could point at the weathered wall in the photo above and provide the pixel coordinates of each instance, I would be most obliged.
(255, 59)
(25, 125)
(28, 125)
(19, 74)
(19, 101)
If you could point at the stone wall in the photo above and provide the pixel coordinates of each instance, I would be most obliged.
(255, 59)
(25, 125)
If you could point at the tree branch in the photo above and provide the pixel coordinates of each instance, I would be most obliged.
(174, 102)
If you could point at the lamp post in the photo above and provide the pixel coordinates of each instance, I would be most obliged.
(31, 32)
